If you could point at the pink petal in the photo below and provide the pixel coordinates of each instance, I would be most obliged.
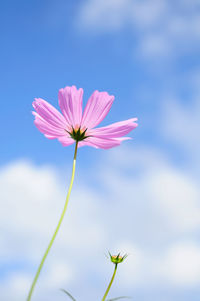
(49, 113)
(52, 132)
(114, 130)
(49, 136)
(96, 109)
(70, 101)
(66, 140)
(47, 128)
(101, 142)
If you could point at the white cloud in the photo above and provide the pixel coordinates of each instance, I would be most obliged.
(155, 46)
(160, 28)
(58, 274)
(180, 125)
(104, 15)
(160, 191)
(178, 198)
(181, 264)
(146, 14)
(15, 286)
(181, 122)
(31, 202)
(143, 199)
(120, 13)
(27, 193)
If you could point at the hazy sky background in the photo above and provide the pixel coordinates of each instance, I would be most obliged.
(141, 198)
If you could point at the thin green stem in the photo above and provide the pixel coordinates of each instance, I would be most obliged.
(111, 281)
(57, 228)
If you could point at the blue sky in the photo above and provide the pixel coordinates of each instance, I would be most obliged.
(141, 198)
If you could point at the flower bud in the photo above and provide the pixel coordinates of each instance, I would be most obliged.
(117, 258)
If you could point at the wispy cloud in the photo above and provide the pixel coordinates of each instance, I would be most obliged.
(129, 213)
(159, 28)
(180, 126)
(181, 264)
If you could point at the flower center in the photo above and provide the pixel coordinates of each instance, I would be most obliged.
(77, 133)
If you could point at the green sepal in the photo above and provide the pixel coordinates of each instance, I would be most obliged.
(117, 258)
(77, 135)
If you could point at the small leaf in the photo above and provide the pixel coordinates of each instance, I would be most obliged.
(68, 294)
(117, 298)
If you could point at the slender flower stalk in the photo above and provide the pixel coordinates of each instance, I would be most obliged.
(111, 281)
(57, 228)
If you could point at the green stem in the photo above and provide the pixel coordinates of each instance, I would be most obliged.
(57, 228)
(111, 281)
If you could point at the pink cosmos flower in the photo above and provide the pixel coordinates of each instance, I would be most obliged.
(73, 125)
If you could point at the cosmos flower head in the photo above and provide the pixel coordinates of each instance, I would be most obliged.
(73, 125)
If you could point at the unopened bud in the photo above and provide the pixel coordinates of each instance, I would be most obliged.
(117, 258)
